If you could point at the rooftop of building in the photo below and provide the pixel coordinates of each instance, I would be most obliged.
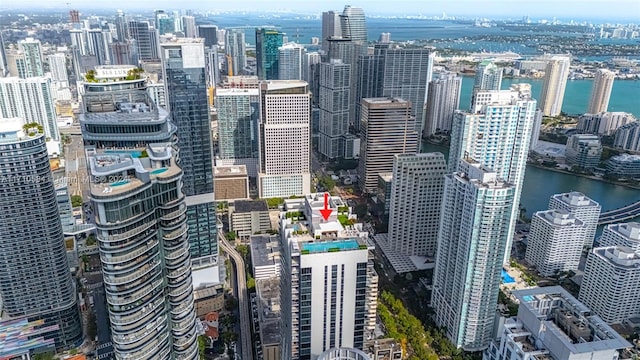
(302, 221)
(386, 101)
(626, 158)
(621, 256)
(573, 322)
(629, 230)
(265, 250)
(559, 218)
(386, 177)
(16, 130)
(268, 298)
(174, 40)
(476, 173)
(276, 85)
(230, 171)
(586, 137)
(247, 206)
(117, 171)
(237, 91)
(575, 199)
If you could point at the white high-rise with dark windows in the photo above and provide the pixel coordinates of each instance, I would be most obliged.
(497, 134)
(623, 234)
(555, 242)
(284, 139)
(443, 99)
(611, 282)
(329, 287)
(601, 91)
(414, 210)
(291, 61)
(555, 83)
(488, 77)
(583, 208)
(474, 231)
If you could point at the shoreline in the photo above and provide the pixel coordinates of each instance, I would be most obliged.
(584, 176)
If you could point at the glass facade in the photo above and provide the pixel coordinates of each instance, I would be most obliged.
(185, 80)
(267, 44)
(35, 281)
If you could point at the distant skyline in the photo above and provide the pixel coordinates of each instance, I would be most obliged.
(567, 9)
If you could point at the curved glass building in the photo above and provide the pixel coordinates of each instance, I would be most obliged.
(35, 281)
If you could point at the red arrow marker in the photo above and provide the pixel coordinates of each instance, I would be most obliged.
(326, 212)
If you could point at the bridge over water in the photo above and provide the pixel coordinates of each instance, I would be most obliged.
(619, 215)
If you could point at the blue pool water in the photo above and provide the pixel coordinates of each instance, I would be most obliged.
(325, 246)
(158, 171)
(506, 278)
(527, 298)
(121, 182)
(133, 153)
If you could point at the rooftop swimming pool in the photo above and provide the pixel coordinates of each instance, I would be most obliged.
(506, 278)
(158, 171)
(527, 298)
(119, 183)
(321, 247)
(133, 153)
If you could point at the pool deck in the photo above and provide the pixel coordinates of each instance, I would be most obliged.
(519, 283)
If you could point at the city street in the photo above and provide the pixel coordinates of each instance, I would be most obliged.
(246, 346)
(104, 348)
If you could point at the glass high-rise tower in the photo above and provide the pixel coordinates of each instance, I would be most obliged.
(267, 44)
(35, 281)
(185, 80)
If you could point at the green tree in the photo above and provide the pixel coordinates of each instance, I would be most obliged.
(76, 200)
(43, 356)
(231, 235)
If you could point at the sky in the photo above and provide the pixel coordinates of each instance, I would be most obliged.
(562, 9)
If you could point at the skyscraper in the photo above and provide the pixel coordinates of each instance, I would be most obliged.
(330, 27)
(611, 282)
(387, 128)
(329, 287)
(291, 61)
(184, 78)
(555, 82)
(136, 189)
(284, 139)
(98, 42)
(416, 196)
(209, 33)
(122, 32)
(32, 51)
(347, 51)
(35, 281)
(396, 72)
(3, 58)
(236, 51)
(623, 234)
(267, 44)
(189, 26)
(497, 133)
(555, 242)
(583, 208)
(164, 22)
(601, 91)
(58, 68)
(488, 77)
(29, 99)
(145, 41)
(79, 41)
(238, 115)
(474, 232)
(334, 95)
(354, 25)
(443, 100)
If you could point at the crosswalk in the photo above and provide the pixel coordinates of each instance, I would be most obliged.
(104, 345)
(106, 356)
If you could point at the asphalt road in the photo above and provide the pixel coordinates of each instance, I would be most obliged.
(76, 167)
(104, 346)
(246, 346)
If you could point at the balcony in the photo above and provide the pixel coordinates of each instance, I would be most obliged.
(112, 279)
(116, 300)
(138, 338)
(150, 348)
(127, 234)
(181, 326)
(174, 214)
(121, 320)
(176, 233)
(180, 289)
(108, 259)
